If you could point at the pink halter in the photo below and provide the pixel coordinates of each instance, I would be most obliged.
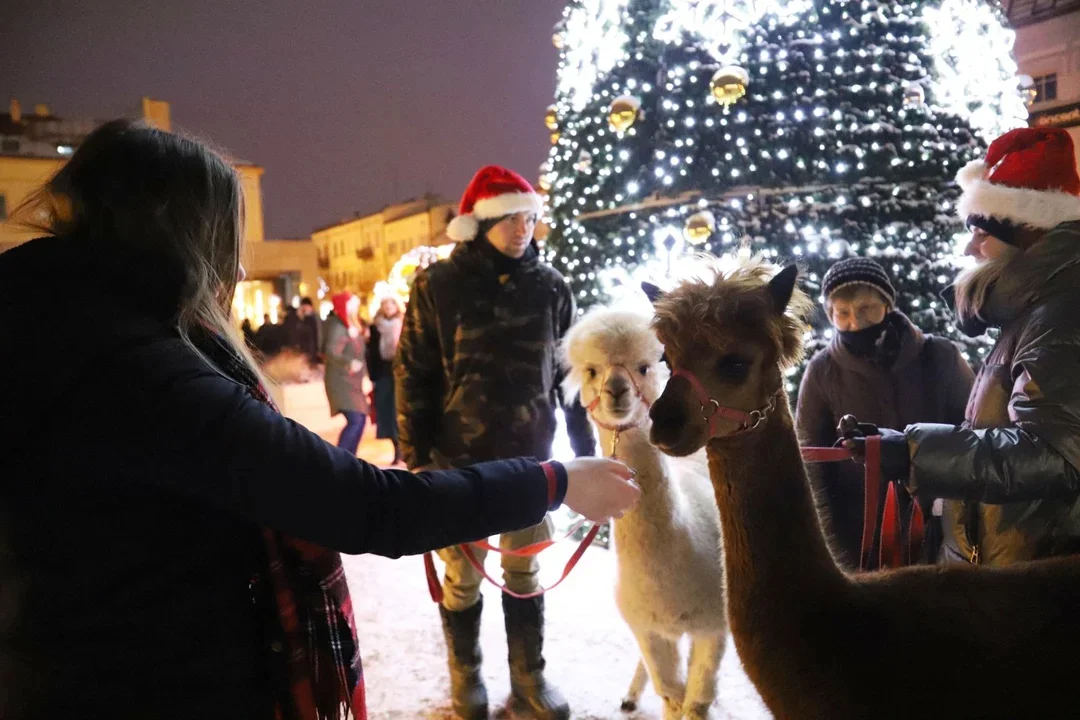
(711, 410)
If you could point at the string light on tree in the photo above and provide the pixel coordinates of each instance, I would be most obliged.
(584, 162)
(850, 119)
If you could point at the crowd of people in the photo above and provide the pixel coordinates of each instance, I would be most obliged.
(180, 552)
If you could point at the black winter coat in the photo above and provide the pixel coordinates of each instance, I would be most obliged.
(135, 479)
(1011, 473)
(477, 371)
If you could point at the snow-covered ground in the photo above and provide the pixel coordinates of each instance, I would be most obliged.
(591, 653)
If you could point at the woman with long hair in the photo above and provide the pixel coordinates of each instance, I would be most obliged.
(168, 541)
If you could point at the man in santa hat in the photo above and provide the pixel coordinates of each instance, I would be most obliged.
(1009, 475)
(477, 378)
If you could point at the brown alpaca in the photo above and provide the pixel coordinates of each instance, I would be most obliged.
(954, 642)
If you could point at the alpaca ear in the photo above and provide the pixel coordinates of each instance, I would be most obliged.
(652, 292)
(782, 286)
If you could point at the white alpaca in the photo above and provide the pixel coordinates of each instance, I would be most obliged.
(670, 580)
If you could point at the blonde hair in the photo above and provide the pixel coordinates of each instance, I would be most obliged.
(165, 204)
(974, 284)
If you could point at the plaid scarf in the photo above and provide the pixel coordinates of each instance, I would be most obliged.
(326, 680)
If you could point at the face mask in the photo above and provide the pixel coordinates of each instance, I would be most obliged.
(862, 343)
(879, 343)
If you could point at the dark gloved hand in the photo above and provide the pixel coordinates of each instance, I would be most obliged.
(895, 457)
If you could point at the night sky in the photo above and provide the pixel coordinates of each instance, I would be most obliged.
(348, 104)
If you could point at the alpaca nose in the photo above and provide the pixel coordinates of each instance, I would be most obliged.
(668, 419)
(617, 392)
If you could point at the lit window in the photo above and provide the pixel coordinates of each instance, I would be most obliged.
(1045, 87)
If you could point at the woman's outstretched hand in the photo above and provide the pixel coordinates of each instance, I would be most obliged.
(600, 488)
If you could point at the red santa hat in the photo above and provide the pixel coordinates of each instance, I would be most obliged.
(1028, 178)
(494, 192)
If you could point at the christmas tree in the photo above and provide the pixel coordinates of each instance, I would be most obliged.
(807, 130)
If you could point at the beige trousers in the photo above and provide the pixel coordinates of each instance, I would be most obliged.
(461, 586)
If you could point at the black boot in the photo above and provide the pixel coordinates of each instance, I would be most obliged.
(462, 633)
(525, 640)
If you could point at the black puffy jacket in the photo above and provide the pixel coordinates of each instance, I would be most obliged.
(1010, 473)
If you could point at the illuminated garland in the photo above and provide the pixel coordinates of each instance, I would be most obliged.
(854, 118)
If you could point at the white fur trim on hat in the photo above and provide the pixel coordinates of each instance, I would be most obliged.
(462, 228)
(507, 204)
(1040, 209)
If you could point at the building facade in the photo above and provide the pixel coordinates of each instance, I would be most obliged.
(1047, 50)
(33, 146)
(356, 254)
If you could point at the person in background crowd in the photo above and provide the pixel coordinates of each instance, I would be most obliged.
(298, 334)
(1010, 474)
(883, 370)
(311, 319)
(382, 347)
(345, 369)
(249, 333)
(178, 555)
(269, 338)
(478, 377)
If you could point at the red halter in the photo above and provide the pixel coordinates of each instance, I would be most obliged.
(711, 410)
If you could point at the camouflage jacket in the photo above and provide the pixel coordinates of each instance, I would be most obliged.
(477, 371)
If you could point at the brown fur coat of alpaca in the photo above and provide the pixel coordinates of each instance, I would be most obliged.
(955, 642)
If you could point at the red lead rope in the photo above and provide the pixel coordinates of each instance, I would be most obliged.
(892, 554)
(871, 486)
(893, 551)
(435, 588)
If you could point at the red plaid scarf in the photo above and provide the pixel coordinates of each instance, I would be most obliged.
(313, 606)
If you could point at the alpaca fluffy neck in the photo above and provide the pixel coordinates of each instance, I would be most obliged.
(657, 494)
(778, 567)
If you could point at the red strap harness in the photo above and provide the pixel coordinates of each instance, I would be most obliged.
(894, 550)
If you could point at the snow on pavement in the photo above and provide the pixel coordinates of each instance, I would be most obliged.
(590, 652)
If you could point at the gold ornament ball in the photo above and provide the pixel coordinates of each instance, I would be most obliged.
(555, 137)
(729, 84)
(551, 118)
(699, 227)
(558, 41)
(623, 112)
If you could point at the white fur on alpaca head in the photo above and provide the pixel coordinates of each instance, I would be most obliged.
(605, 337)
